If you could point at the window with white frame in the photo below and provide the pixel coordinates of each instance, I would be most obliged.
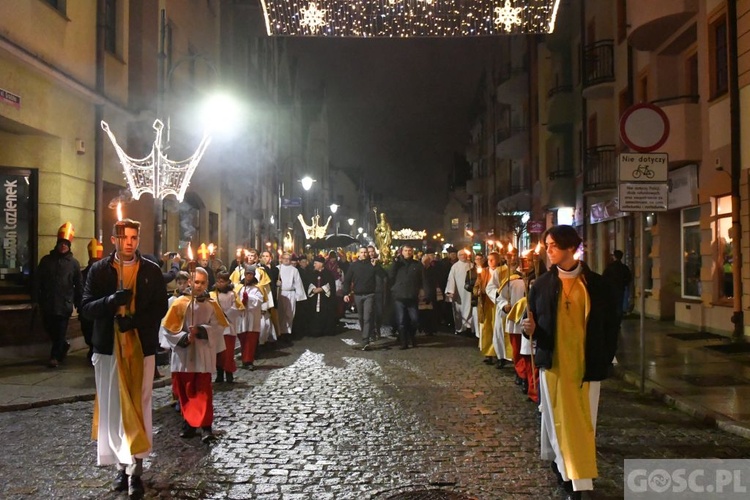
(691, 253)
(721, 226)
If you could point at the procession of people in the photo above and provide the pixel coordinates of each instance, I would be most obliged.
(555, 331)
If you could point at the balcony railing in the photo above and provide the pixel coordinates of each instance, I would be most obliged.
(600, 170)
(679, 99)
(505, 133)
(598, 63)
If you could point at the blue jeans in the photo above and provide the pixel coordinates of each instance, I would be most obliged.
(407, 319)
(365, 308)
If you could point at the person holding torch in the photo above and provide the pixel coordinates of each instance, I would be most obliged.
(572, 317)
(126, 298)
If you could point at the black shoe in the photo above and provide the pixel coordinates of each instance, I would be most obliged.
(559, 477)
(366, 346)
(207, 434)
(66, 348)
(404, 347)
(230, 377)
(219, 377)
(524, 387)
(188, 431)
(248, 366)
(121, 481)
(518, 380)
(488, 360)
(135, 488)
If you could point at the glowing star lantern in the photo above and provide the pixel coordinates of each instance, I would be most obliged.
(408, 18)
(507, 16)
(155, 173)
(203, 252)
(312, 17)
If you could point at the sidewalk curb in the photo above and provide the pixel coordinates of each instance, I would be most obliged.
(162, 382)
(697, 412)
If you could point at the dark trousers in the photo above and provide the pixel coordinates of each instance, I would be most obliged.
(407, 319)
(57, 327)
(378, 311)
(365, 310)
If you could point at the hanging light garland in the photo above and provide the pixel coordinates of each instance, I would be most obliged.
(143, 174)
(408, 18)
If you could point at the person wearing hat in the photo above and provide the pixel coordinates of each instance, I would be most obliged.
(59, 288)
(96, 250)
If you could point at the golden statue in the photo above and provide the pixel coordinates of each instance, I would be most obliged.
(383, 239)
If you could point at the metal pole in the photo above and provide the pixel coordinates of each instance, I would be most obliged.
(738, 332)
(158, 204)
(643, 304)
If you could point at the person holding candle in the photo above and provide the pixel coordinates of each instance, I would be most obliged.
(125, 339)
(572, 317)
(230, 303)
(504, 289)
(194, 328)
(486, 308)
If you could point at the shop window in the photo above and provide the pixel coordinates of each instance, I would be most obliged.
(721, 226)
(18, 197)
(691, 253)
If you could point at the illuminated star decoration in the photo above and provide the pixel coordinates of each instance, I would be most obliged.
(508, 16)
(312, 16)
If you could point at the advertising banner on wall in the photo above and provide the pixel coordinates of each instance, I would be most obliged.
(15, 227)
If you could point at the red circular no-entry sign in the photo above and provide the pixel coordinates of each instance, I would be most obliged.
(644, 127)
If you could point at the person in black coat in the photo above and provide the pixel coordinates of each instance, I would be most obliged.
(618, 275)
(572, 318)
(126, 298)
(58, 289)
(405, 275)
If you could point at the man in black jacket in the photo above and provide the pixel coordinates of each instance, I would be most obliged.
(58, 289)
(126, 298)
(572, 318)
(406, 276)
(362, 275)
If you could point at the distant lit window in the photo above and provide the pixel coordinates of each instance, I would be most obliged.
(110, 26)
(721, 224)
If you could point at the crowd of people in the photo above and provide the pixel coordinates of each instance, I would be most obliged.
(556, 330)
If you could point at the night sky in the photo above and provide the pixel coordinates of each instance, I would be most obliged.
(398, 109)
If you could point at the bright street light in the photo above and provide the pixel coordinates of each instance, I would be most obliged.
(220, 114)
(350, 221)
(307, 182)
(359, 230)
(334, 208)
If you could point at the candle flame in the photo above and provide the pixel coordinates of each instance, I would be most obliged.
(119, 211)
(239, 251)
(211, 248)
(578, 255)
(190, 252)
(526, 253)
(491, 243)
(538, 248)
(510, 247)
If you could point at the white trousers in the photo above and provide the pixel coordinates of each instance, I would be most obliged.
(112, 448)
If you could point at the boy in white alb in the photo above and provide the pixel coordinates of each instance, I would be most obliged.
(224, 294)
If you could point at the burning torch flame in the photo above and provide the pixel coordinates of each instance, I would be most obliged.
(211, 248)
(239, 252)
(538, 248)
(578, 254)
(190, 252)
(510, 247)
(119, 211)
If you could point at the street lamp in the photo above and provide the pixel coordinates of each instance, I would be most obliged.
(307, 182)
(334, 208)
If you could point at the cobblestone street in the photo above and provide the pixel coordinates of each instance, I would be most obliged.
(321, 420)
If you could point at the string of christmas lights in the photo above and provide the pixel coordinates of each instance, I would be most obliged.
(408, 18)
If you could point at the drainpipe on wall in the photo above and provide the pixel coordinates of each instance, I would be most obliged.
(734, 117)
(98, 117)
(584, 119)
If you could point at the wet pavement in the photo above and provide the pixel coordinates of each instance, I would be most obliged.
(320, 420)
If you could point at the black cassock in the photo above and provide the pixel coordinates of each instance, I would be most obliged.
(321, 309)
